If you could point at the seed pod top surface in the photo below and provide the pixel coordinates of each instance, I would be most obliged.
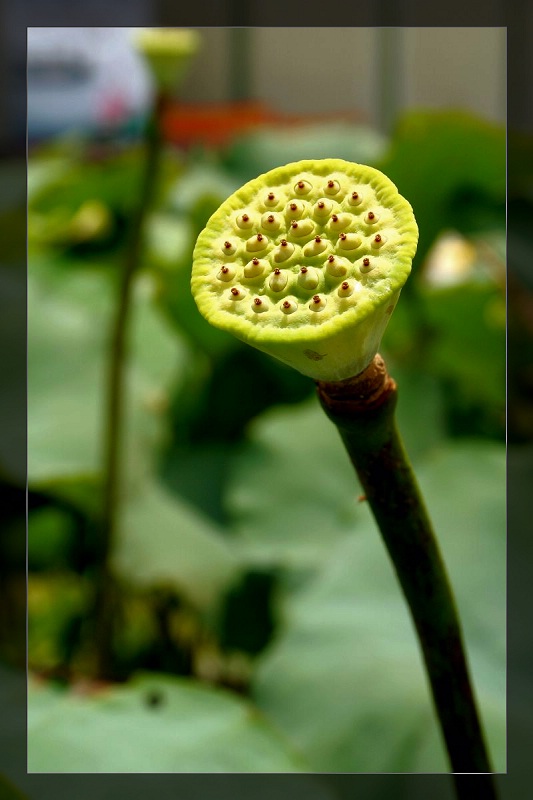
(306, 263)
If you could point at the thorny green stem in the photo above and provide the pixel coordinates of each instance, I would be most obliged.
(363, 409)
(112, 475)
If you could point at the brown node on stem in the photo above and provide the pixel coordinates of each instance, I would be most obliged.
(363, 392)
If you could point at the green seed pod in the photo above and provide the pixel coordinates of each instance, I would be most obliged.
(332, 270)
(168, 52)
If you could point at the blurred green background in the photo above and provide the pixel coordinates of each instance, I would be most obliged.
(258, 626)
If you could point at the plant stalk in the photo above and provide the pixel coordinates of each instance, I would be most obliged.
(363, 409)
(106, 595)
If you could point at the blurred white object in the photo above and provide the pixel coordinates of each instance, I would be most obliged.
(89, 80)
(451, 261)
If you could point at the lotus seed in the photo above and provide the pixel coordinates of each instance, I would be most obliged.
(308, 278)
(339, 221)
(355, 199)
(254, 268)
(336, 267)
(295, 210)
(244, 222)
(259, 305)
(345, 289)
(315, 247)
(317, 303)
(378, 241)
(235, 294)
(371, 218)
(288, 306)
(284, 251)
(226, 274)
(278, 280)
(271, 222)
(322, 209)
(256, 243)
(302, 187)
(229, 249)
(349, 241)
(332, 187)
(302, 228)
(270, 200)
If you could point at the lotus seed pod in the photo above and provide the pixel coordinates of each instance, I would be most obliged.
(324, 296)
(168, 52)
